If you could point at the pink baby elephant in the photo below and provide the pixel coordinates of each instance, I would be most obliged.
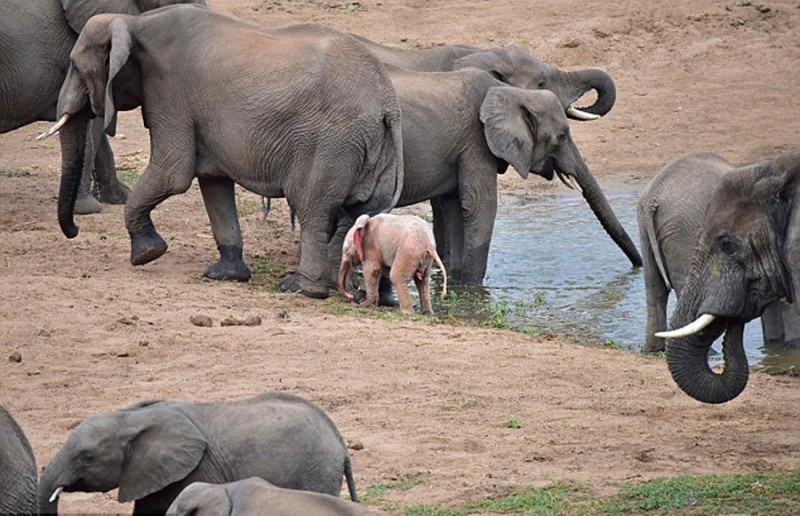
(399, 246)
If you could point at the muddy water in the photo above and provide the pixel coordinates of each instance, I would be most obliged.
(552, 269)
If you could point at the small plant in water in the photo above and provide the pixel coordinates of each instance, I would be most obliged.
(610, 343)
(513, 422)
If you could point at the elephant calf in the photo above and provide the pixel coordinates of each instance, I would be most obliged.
(254, 497)
(400, 245)
(153, 449)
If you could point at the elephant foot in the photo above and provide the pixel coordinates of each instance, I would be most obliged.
(296, 282)
(116, 194)
(146, 246)
(230, 266)
(653, 347)
(87, 204)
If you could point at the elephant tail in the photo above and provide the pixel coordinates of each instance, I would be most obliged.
(348, 475)
(444, 272)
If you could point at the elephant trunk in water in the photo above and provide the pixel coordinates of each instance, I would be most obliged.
(596, 80)
(575, 166)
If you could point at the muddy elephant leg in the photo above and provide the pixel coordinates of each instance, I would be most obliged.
(161, 179)
(220, 200)
(313, 276)
(107, 187)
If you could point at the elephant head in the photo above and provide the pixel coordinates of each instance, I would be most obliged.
(141, 450)
(745, 258)
(528, 129)
(517, 67)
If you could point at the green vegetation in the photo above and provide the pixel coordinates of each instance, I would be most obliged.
(129, 176)
(513, 422)
(266, 273)
(751, 493)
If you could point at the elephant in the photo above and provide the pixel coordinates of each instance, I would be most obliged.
(17, 468)
(463, 128)
(745, 258)
(670, 214)
(511, 65)
(36, 37)
(400, 246)
(153, 449)
(255, 496)
(301, 112)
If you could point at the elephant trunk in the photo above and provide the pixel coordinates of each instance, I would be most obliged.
(47, 486)
(344, 270)
(601, 82)
(687, 359)
(73, 158)
(593, 194)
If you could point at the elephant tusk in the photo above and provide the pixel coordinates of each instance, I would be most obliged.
(690, 329)
(581, 115)
(569, 181)
(53, 130)
(56, 493)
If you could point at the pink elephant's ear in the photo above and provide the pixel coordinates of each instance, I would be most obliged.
(358, 238)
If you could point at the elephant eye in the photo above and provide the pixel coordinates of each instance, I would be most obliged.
(727, 245)
(541, 84)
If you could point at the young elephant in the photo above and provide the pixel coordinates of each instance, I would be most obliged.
(152, 450)
(255, 496)
(400, 246)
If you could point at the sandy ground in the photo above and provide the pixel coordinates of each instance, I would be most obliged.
(425, 399)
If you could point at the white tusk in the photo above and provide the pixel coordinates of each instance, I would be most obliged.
(569, 181)
(581, 115)
(55, 494)
(690, 329)
(53, 130)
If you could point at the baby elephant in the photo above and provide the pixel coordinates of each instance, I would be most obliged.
(399, 246)
(255, 496)
(153, 449)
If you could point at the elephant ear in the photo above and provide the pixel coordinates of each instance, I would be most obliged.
(509, 128)
(360, 229)
(78, 12)
(165, 447)
(121, 42)
(786, 170)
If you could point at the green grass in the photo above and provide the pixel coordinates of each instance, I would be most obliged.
(266, 273)
(129, 176)
(751, 493)
(513, 422)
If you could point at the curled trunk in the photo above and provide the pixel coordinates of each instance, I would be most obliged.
(687, 359)
(599, 81)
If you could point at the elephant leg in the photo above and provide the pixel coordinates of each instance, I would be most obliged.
(313, 277)
(107, 187)
(452, 231)
(439, 230)
(162, 179)
(478, 195)
(372, 276)
(220, 201)
(86, 203)
(424, 290)
(772, 324)
(656, 296)
(400, 278)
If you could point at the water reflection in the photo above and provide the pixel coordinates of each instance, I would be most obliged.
(554, 268)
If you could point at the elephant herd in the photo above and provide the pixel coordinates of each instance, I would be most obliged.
(345, 128)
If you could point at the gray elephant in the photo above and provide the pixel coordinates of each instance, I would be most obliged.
(255, 497)
(302, 112)
(463, 128)
(745, 258)
(152, 450)
(670, 214)
(36, 37)
(511, 65)
(17, 468)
